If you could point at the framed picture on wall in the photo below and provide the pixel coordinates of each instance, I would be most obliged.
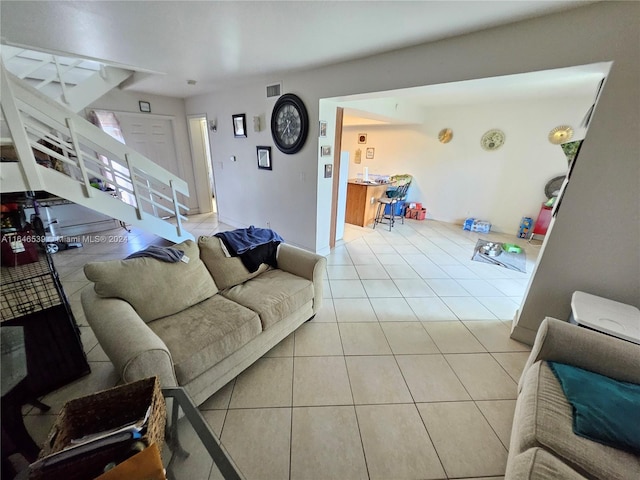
(325, 150)
(239, 125)
(370, 152)
(264, 158)
(323, 129)
(144, 106)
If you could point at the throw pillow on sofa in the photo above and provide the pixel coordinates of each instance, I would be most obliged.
(226, 271)
(154, 288)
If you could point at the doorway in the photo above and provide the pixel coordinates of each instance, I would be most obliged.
(202, 169)
(397, 132)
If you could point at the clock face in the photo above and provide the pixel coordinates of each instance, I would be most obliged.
(492, 140)
(289, 123)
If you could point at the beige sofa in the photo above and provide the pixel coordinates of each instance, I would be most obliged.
(198, 324)
(543, 445)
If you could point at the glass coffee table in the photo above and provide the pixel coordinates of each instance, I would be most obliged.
(192, 451)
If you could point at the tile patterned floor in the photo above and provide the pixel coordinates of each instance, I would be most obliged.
(406, 372)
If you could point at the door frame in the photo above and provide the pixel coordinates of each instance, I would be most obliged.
(201, 160)
(337, 148)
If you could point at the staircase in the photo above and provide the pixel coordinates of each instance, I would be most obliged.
(140, 192)
(74, 82)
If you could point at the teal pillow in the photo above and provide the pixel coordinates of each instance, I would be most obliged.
(604, 410)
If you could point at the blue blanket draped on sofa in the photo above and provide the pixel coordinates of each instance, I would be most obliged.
(243, 239)
(254, 246)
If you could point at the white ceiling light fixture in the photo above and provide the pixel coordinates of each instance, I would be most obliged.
(561, 134)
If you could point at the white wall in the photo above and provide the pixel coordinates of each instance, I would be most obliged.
(127, 101)
(601, 202)
(459, 179)
(324, 191)
(282, 198)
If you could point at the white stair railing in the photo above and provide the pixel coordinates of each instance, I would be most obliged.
(140, 192)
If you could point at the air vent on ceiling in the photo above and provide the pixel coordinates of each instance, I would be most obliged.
(274, 90)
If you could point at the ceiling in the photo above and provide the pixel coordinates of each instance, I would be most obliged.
(221, 43)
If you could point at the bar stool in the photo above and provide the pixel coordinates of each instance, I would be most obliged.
(391, 198)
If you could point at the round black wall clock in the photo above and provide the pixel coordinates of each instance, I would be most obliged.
(289, 123)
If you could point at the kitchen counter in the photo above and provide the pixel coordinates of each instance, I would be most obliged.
(362, 201)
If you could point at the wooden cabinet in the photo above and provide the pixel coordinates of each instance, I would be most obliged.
(360, 211)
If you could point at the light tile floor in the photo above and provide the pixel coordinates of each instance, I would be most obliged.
(406, 372)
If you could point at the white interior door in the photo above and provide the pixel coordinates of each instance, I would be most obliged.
(153, 137)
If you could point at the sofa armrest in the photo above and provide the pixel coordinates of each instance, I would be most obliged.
(563, 342)
(133, 348)
(306, 265)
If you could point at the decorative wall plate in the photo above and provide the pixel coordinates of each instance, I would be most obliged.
(492, 140)
(445, 135)
(561, 134)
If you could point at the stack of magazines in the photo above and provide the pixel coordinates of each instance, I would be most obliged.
(94, 442)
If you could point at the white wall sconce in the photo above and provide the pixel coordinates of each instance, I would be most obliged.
(213, 126)
(256, 123)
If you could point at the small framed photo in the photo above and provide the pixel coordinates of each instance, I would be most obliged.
(325, 150)
(264, 158)
(239, 125)
(328, 170)
(362, 138)
(323, 129)
(145, 107)
(370, 152)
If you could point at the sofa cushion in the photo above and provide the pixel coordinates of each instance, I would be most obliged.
(537, 464)
(273, 295)
(154, 288)
(226, 271)
(543, 418)
(202, 335)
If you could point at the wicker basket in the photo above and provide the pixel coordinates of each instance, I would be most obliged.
(102, 411)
